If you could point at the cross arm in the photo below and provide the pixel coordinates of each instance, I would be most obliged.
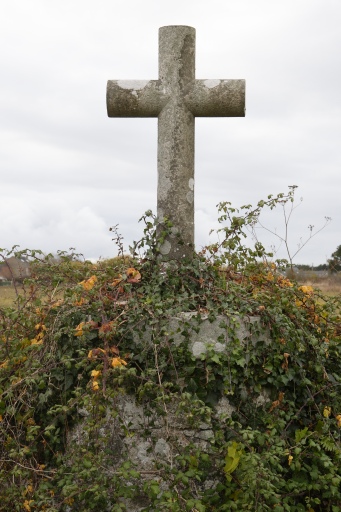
(135, 98)
(216, 98)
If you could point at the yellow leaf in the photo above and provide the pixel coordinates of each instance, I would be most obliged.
(338, 419)
(29, 489)
(269, 276)
(95, 352)
(284, 283)
(290, 458)
(58, 303)
(38, 340)
(27, 504)
(95, 385)
(95, 374)
(88, 284)
(79, 329)
(232, 459)
(307, 290)
(85, 326)
(327, 411)
(118, 362)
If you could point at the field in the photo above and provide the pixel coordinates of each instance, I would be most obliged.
(7, 295)
(329, 287)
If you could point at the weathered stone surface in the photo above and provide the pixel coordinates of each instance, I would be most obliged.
(144, 438)
(176, 98)
(150, 439)
(204, 334)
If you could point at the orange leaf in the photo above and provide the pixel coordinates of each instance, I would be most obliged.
(106, 328)
(133, 275)
(278, 402)
(114, 350)
(116, 281)
(285, 364)
(58, 303)
(92, 324)
(80, 302)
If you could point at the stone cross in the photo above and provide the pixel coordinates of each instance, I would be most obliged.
(176, 98)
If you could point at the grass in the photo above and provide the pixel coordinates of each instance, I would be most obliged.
(329, 286)
(7, 295)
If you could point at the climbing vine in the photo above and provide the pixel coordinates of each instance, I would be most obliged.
(82, 338)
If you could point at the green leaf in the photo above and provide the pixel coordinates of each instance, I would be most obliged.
(87, 463)
(301, 434)
(215, 359)
(232, 459)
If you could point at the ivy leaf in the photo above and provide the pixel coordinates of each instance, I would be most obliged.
(241, 361)
(68, 381)
(215, 358)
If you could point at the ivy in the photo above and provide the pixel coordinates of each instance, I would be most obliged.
(81, 337)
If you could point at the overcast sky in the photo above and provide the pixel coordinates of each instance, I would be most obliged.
(68, 172)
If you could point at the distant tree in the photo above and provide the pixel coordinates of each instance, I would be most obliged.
(334, 263)
(323, 266)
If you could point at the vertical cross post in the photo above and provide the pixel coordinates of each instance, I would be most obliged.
(176, 98)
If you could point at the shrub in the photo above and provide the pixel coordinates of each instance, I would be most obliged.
(75, 340)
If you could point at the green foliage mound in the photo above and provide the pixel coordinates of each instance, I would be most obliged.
(75, 340)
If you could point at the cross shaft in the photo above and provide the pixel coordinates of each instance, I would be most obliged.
(176, 98)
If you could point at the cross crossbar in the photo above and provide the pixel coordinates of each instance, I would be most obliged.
(176, 98)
